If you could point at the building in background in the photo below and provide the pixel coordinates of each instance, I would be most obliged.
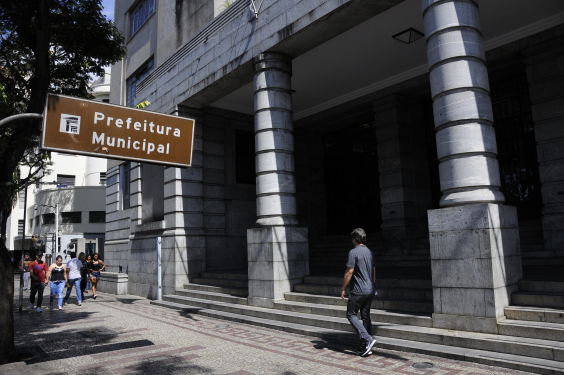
(77, 185)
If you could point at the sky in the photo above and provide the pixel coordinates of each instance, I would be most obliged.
(108, 8)
(108, 12)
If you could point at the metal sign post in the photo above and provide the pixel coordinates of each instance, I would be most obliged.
(159, 271)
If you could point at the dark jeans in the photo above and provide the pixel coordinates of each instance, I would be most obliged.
(37, 288)
(83, 283)
(362, 303)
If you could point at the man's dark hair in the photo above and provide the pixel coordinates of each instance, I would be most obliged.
(359, 235)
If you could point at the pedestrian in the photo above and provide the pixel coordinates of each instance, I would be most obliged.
(37, 269)
(96, 267)
(83, 274)
(88, 264)
(74, 277)
(57, 275)
(25, 268)
(361, 273)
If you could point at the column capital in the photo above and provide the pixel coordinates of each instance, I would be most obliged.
(272, 61)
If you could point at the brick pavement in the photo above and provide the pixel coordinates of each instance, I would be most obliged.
(127, 335)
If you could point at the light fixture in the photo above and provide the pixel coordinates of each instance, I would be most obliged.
(408, 36)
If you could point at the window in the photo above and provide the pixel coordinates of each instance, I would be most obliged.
(30, 223)
(112, 179)
(140, 14)
(124, 184)
(21, 198)
(97, 217)
(71, 217)
(137, 77)
(37, 221)
(48, 218)
(103, 178)
(245, 157)
(64, 180)
(20, 227)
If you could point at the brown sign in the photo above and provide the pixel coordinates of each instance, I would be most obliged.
(87, 127)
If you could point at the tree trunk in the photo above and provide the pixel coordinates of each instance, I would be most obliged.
(7, 348)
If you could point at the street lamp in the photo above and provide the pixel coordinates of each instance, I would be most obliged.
(56, 207)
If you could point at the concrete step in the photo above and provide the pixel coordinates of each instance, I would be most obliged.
(541, 286)
(538, 299)
(389, 304)
(243, 275)
(220, 282)
(383, 292)
(533, 330)
(220, 297)
(535, 314)
(242, 292)
(539, 356)
(382, 283)
(418, 319)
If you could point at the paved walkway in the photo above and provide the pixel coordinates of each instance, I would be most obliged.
(127, 335)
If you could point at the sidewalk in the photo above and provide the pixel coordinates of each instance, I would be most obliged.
(127, 335)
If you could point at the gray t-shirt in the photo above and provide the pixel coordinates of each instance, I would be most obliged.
(362, 260)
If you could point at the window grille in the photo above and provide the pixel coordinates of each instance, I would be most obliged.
(103, 178)
(20, 227)
(137, 77)
(71, 217)
(64, 180)
(97, 217)
(48, 218)
(140, 14)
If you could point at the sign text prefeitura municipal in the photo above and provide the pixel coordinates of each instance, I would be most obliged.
(86, 127)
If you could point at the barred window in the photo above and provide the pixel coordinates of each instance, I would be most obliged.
(20, 227)
(71, 217)
(97, 216)
(140, 14)
(64, 180)
(103, 178)
(48, 218)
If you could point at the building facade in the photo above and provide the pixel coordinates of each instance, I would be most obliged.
(435, 125)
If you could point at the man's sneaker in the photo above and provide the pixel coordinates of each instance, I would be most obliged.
(368, 348)
(80, 304)
(38, 309)
(65, 301)
(31, 306)
(60, 307)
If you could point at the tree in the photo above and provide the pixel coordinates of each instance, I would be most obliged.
(45, 46)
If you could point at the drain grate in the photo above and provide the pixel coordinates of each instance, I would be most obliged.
(423, 365)
(222, 326)
(97, 332)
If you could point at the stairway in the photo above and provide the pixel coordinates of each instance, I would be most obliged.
(530, 339)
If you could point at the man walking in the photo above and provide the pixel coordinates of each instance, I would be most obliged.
(37, 269)
(74, 277)
(361, 273)
(24, 266)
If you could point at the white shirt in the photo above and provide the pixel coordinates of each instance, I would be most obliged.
(74, 266)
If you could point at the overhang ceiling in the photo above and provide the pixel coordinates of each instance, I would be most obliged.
(366, 58)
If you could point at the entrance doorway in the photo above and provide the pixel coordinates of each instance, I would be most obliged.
(352, 179)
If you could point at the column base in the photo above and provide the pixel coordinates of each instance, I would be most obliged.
(278, 258)
(475, 264)
(465, 323)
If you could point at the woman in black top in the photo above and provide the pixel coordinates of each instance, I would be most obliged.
(96, 267)
(57, 275)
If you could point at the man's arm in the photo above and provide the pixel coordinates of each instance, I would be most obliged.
(346, 280)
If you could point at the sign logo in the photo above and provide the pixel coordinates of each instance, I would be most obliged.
(69, 124)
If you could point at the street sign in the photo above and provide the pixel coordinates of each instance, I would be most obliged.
(87, 127)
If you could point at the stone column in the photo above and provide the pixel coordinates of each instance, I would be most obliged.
(277, 251)
(545, 73)
(183, 243)
(475, 253)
